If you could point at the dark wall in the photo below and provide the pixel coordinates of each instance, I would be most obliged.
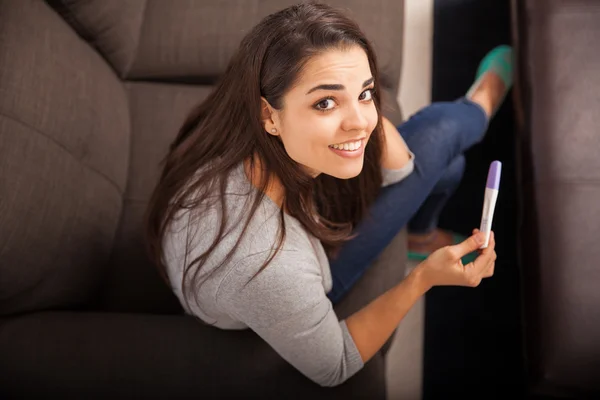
(473, 336)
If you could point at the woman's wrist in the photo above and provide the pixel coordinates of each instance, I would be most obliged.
(419, 280)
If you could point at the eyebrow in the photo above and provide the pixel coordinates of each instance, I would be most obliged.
(337, 86)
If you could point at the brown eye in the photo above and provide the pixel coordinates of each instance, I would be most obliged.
(325, 105)
(366, 95)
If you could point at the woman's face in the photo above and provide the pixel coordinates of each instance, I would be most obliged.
(329, 115)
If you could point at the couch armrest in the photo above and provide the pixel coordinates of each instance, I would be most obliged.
(105, 355)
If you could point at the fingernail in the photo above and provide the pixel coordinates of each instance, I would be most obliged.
(480, 237)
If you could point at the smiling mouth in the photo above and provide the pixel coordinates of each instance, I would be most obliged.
(353, 145)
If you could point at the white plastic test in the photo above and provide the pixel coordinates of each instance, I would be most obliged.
(489, 203)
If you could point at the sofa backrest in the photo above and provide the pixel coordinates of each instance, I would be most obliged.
(91, 95)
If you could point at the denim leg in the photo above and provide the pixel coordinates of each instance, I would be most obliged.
(427, 217)
(437, 135)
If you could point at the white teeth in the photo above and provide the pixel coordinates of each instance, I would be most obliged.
(352, 146)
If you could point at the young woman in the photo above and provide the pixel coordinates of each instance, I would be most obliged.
(286, 183)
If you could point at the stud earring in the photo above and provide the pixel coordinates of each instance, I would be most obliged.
(273, 130)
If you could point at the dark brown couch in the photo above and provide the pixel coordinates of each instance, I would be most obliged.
(558, 94)
(91, 94)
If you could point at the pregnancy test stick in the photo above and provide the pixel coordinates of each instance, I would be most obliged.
(489, 203)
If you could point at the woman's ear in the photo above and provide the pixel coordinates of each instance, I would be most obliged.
(269, 117)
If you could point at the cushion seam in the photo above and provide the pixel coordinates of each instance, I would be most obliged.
(66, 150)
(127, 70)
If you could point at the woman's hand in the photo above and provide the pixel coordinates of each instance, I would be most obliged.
(445, 268)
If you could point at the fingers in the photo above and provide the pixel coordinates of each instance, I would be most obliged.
(475, 232)
(491, 244)
(483, 266)
(471, 244)
(490, 272)
(487, 257)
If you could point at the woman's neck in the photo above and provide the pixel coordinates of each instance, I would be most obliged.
(256, 174)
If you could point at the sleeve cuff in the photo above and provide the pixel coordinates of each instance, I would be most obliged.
(391, 176)
(354, 361)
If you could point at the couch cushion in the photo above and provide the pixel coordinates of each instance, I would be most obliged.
(193, 41)
(157, 111)
(64, 128)
(112, 26)
(172, 35)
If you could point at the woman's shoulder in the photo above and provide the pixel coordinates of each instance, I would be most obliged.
(229, 216)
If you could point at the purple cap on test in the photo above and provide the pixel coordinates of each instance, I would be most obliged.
(493, 180)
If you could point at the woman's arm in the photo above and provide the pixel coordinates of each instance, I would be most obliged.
(372, 326)
(395, 153)
(286, 305)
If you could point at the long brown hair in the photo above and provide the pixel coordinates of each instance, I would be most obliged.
(269, 60)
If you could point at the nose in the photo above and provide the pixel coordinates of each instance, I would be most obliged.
(355, 119)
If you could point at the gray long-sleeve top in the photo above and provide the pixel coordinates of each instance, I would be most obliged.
(286, 303)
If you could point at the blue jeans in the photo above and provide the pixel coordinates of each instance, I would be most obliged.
(438, 135)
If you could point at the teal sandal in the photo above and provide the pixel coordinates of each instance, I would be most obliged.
(500, 61)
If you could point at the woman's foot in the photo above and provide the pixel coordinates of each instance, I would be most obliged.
(493, 80)
(489, 93)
